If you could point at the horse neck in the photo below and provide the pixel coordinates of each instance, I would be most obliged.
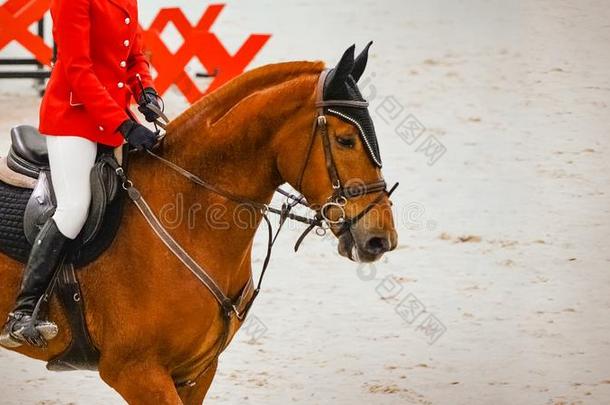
(235, 152)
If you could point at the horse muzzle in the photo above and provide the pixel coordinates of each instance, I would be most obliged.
(366, 248)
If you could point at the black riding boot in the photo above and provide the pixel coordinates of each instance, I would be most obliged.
(45, 257)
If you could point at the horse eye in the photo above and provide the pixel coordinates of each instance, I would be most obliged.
(345, 141)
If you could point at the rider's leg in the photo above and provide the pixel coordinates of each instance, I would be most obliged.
(71, 160)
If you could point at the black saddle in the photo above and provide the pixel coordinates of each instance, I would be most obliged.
(29, 156)
(24, 211)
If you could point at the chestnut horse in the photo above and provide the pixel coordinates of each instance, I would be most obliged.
(152, 321)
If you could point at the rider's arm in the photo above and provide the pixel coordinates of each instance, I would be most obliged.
(72, 29)
(137, 65)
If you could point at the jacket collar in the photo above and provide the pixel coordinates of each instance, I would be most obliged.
(124, 5)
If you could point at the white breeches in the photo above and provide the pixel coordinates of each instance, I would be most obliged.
(71, 159)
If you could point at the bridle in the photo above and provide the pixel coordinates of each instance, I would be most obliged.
(237, 309)
(341, 193)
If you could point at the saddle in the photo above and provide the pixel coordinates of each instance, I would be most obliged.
(27, 201)
(29, 157)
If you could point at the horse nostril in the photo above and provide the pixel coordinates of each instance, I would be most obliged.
(377, 245)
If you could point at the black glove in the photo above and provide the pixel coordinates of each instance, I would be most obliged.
(138, 135)
(149, 95)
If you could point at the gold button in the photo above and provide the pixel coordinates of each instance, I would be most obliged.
(123, 64)
(128, 21)
(126, 43)
(120, 85)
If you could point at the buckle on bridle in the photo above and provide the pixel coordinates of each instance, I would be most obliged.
(322, 120)
(127, 185)
(341, 200)
(240, 316)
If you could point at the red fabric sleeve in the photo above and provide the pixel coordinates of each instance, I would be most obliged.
(72, 30)
(137, 64)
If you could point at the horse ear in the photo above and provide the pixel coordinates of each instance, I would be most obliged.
(360, 63)
(338, 76)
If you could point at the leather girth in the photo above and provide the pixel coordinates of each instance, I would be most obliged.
(81, 353)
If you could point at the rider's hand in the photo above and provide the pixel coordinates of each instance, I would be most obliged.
(138, 135)
(149, 96)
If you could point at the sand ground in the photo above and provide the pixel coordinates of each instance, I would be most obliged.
(502, 239)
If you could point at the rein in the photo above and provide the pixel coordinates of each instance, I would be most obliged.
(238, 308)
(254, 204)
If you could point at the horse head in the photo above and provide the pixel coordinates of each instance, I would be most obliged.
(339, 171)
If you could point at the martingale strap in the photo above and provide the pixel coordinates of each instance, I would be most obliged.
(237, 307)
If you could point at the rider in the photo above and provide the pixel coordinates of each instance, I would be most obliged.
(100, 66)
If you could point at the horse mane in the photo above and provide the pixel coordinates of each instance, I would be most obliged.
(217, 103)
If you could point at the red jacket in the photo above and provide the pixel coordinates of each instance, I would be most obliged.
(99, 54)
